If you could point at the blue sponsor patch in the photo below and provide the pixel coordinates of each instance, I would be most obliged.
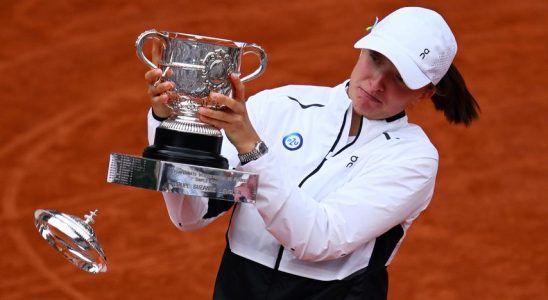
(293, 141)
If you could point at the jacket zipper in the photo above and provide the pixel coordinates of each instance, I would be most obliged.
(281, 249)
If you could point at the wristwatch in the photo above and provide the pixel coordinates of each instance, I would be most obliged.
(259, 150)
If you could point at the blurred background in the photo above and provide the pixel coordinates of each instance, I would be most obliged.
(72, 92)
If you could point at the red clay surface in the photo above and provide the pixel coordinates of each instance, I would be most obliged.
(73, 92)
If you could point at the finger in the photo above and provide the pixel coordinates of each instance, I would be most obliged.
(159, 100)
(223, 100)
(160, 105)
(204, 115)
(238, 87)
(153, 75)
(222, 118)
(160, 88)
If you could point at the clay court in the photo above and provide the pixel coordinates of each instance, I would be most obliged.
(73, 92)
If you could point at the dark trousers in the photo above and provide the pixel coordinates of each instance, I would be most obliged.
(241, 279)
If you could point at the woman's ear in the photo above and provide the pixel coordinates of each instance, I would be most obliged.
(428, 92)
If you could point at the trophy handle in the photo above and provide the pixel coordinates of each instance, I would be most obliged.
(255, 49)
(141, 40)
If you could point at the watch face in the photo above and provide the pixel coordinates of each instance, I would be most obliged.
(262, 148)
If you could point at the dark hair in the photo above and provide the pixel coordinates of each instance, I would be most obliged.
(453, 98)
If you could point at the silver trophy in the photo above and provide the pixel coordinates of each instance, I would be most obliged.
(185, 157)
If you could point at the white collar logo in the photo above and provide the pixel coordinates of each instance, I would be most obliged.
(293, 141)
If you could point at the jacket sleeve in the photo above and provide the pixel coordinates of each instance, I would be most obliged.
(348, 217)
(188, 212)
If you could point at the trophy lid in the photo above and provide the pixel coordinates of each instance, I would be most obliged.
(72, 237)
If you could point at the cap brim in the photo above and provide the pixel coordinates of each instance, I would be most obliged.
(412, 76)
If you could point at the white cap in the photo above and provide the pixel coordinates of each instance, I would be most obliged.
(417, 41)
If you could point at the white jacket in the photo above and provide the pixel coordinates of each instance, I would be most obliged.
(326, 208)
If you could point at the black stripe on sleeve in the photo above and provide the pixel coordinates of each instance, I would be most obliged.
(384, 247)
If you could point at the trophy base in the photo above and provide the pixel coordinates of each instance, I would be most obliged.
(187, 148)
(184, 179)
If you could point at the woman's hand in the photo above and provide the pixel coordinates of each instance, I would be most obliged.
(233, 118)
(159, 92)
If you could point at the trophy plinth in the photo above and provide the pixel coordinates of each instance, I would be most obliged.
(199, 148)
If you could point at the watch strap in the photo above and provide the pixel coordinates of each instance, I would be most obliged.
(259, 150)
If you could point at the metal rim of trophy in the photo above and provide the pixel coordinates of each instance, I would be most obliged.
(73, 238)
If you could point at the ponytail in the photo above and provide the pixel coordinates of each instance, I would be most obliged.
(453, 98)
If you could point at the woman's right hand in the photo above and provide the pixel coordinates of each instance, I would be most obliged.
(159, 92)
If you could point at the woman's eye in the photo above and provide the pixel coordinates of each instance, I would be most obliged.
(374, 56)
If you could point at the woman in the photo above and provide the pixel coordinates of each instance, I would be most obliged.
(342, 172)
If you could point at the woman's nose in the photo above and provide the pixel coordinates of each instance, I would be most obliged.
(376, 82)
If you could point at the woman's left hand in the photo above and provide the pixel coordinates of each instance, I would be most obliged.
(233, 118)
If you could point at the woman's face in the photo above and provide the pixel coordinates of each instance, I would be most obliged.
(377, 89)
